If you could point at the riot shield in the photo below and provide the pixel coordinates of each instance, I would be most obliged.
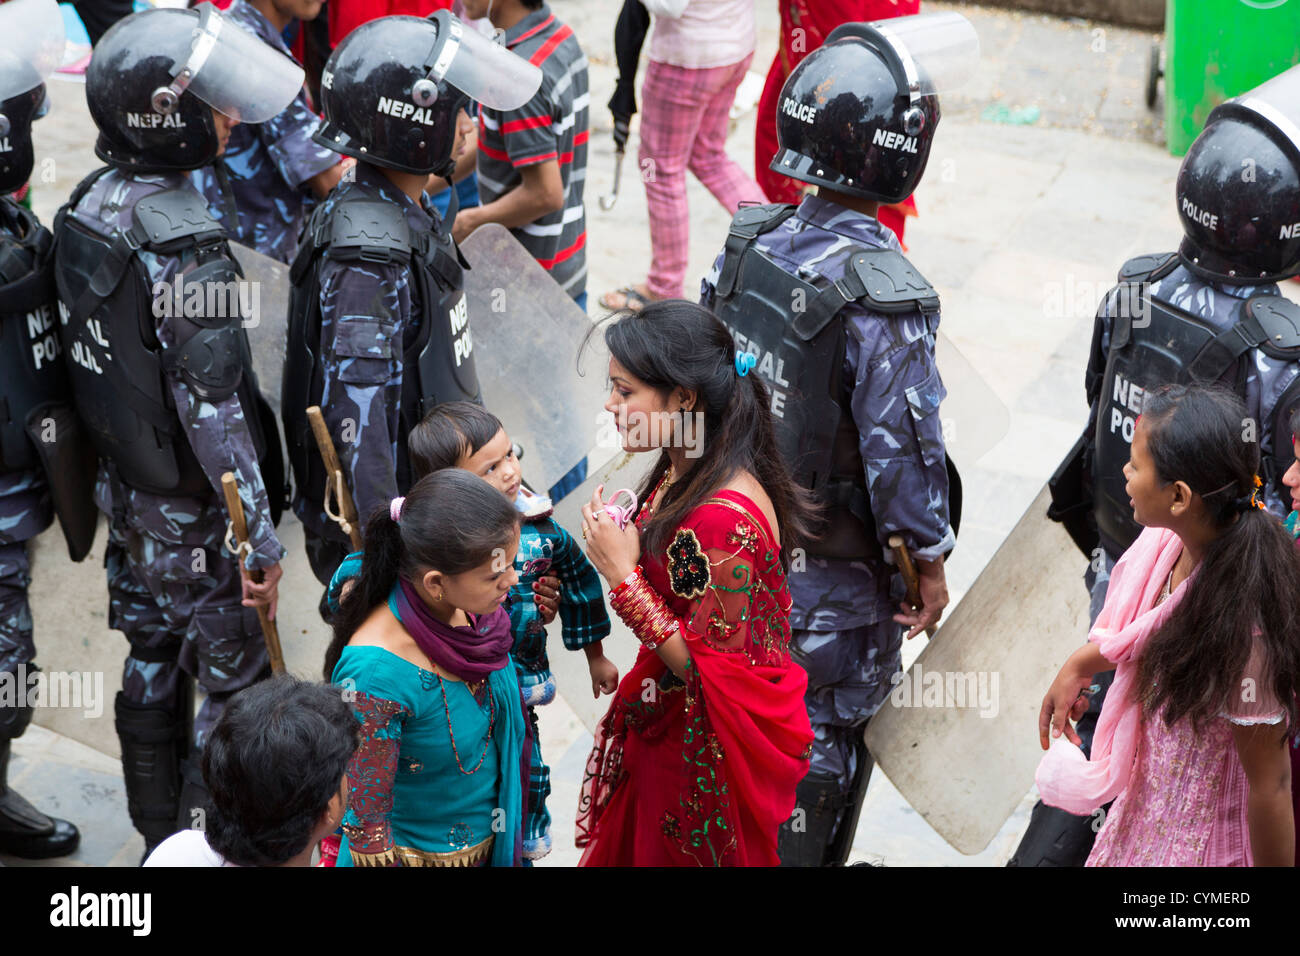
(264, 295)
(958, 735)
(527, 333)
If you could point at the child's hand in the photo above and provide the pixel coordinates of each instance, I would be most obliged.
(1065, 701)
(546, 595)
(604, 676)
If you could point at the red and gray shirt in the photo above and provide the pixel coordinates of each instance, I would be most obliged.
(550, 126)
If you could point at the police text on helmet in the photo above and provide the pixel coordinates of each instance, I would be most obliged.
(400, 110)
(1199, 215)
(800, 111)
(894, 141)
(151, 120)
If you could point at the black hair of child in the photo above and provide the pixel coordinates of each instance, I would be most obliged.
(449, 432)
(1248, 581)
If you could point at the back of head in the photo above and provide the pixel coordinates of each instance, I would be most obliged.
(31, 47)
(1247, 586)
(450, 521)
(272, 763)
(156, 76)
(675, 343)
(1238, 189)
(859, 114)
(450, 432)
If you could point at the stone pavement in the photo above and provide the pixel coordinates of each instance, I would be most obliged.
(1045, 176)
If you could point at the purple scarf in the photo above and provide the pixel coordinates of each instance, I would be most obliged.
(470, 653)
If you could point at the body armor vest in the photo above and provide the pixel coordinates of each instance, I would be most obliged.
(1152, 344)
(119, 369)
(31, 367)
(800, 355)
(437, 359)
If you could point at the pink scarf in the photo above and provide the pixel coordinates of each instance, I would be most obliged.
(1065, 777)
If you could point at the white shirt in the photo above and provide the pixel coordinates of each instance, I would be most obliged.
(187, 848)
(700, 34)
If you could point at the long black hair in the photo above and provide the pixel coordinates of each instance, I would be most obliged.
(1247, 583)
(452, 521)
(671, 343)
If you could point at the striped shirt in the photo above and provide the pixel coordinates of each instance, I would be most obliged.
(550, 126)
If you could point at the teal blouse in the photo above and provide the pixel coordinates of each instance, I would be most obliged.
(409, 786)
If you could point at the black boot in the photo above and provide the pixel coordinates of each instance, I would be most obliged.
(152, 741)
(25, 832)
(1055, 838)
(804, 839)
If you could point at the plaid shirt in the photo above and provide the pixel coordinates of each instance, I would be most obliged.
(543, 546)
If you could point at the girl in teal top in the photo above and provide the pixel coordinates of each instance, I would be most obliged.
(421, 649)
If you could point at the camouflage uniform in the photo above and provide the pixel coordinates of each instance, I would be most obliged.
(25, 512)
(174, 589)
(269, 164)
(370, 313)
(841, 620)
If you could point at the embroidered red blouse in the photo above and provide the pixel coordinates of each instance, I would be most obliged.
(704, 772)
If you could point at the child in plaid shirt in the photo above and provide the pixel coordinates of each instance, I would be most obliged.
(465, 435)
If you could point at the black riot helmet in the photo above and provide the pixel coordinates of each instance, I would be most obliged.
(858, 115)
(392, 88)
(1238, 189)
(155, 77)
(31, 47)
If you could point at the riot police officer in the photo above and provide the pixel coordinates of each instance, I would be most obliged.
(1210, 312)
(31, 372)
(378, 328)
(843, 330)
(153, 317)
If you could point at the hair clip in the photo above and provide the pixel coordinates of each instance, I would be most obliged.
(395, 508)
(744, 362)
(621, 514)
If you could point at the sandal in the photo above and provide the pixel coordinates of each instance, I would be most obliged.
(633, 301)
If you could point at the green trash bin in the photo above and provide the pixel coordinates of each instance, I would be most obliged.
(1217, 49)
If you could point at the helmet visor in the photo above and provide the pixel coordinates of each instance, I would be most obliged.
(1278, 102)
(482, 70)
(31, 44)
(940, 51)
(235, 72)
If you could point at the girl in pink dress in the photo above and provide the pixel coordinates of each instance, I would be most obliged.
(1202, 627)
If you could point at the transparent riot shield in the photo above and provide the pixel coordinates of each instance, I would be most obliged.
(527, 334)
(263, 295)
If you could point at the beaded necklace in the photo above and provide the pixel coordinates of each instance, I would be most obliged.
(492, 719)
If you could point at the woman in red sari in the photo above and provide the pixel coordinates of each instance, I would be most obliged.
(697, 761)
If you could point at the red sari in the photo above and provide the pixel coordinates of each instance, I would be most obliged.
(704, 772)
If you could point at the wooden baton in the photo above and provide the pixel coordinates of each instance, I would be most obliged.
(346, 518)
(903, 557)
(270, 633)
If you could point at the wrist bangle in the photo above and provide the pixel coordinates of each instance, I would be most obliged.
(626, 582)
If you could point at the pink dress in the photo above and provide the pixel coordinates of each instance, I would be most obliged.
(1185, 804)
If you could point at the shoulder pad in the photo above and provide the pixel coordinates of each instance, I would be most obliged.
(1279, 321)
(1148, 267)
(752, 221)
(174, 217)
(370, 230)
(210, 362)
(892, 283)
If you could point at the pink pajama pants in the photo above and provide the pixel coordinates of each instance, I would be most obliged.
(684, 126)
